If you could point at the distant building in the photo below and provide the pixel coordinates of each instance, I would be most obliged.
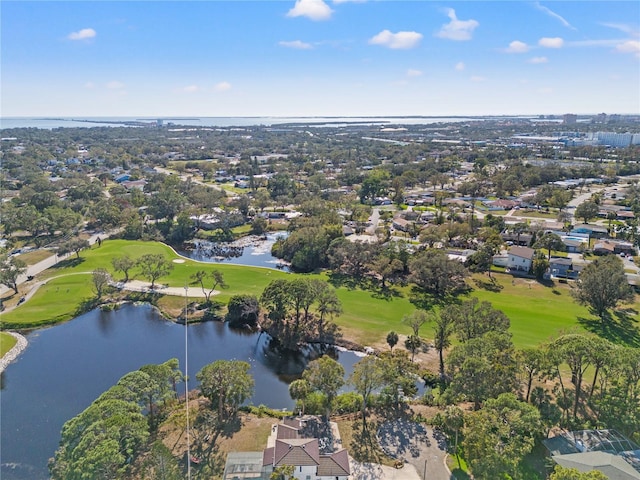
(570, 119)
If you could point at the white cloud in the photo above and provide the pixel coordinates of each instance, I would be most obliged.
(553, 14)
(517, 47)
(348, 1)
(115, 85)
(477, 79)
(400, 40)
(89, 85)
(296, 44)
(630, 46)
(84, 34)
(545, 90)
(538, 60)
(457, 29)
(191, 89)
(551, 42)
(222, 86)
(628, 29)
(413, 73)
(312, 9)
(459, 66)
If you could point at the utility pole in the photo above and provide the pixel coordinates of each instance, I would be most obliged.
(186, 375)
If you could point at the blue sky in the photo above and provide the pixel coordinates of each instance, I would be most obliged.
(318, 58)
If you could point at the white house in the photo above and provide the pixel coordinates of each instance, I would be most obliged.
(520, 259)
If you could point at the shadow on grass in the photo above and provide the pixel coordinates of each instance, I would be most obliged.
(460, 474)
(622, 329)
(491, 286)
(69, 263)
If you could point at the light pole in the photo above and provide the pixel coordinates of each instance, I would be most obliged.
(186, 375)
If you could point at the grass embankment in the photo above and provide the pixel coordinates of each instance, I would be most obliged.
(6, 343)
(31, 258)
(537, 312)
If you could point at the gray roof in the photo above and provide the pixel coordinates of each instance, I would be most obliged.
(522, 252)
(613, 466)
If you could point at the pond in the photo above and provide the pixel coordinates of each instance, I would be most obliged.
(66, 367)
(252, 251)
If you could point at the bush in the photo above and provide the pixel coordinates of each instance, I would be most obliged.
(350, 402)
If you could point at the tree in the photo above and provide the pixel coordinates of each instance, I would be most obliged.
(123, 264)
(413, 343)
(483, 367)
(10, 269)
(153, 266)
(215, 276)
(392, 339)
(437, 276)
(227, 384)
(532, 362)
(415, 320)
(259, 226)
(367, 377)
(299, 390)
(480, 261)
(562, 473)
(587, 210)
(327, 376)
(602, 285)
(452, 422)
(497, 437)
(242, 310)
(550, 241)
(444, 326)
(474, 318)
(74, 245)
(101, 279)
(576, 351)
(399, 376)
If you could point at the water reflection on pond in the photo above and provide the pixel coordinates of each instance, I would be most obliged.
(66, 367)
(253, 251)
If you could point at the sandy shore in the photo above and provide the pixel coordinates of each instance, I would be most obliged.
(12, 354)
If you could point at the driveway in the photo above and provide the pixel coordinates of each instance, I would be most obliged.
(418, 446)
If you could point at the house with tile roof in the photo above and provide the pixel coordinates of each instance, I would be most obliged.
(312, 447)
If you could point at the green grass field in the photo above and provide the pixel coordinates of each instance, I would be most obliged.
(537, 312)
(6, 343)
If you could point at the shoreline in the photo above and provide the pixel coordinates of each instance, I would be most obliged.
(15, 351)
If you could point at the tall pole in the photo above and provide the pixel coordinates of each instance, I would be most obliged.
(186, 376)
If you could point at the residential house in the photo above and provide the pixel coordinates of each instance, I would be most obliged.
(401, 224)
(606, 451)
(560, 267)
(605, 247)
(520, 259)
(308, 444)
(594, 231)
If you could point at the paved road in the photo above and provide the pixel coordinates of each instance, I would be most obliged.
(418, 446)
(48, 262)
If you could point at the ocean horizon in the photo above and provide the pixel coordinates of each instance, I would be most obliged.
(50, 122)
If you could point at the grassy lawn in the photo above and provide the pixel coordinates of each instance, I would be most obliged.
(6, 343)
(537, 312)
(535, 214)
